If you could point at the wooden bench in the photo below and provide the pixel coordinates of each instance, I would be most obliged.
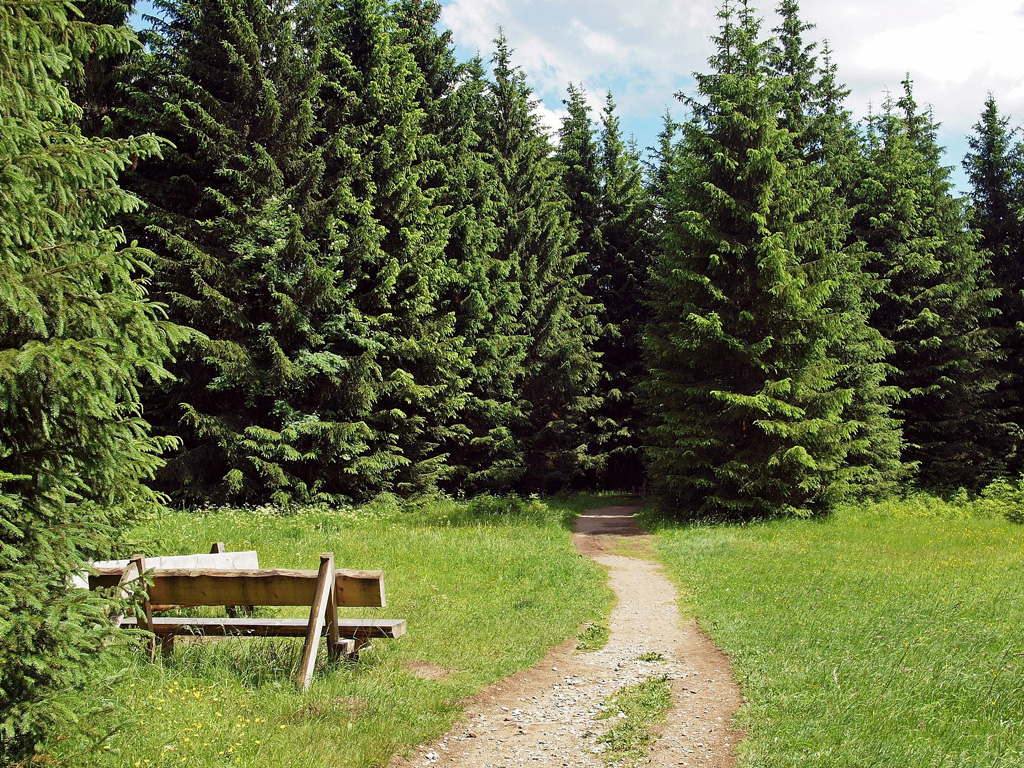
(323, 591)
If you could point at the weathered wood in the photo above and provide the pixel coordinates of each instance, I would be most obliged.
(354, 588)
(280, 586)
(323, 591)
(360, 588)
(129, 574)
(364, 629)
(169, 629)
(333, 638)
(317, 619)
(225, 586)
(108, 572)
(218, 548)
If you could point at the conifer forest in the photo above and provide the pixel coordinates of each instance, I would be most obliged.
(299, 252)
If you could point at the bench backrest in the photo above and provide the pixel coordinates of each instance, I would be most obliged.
(108, 572)
(188, 587)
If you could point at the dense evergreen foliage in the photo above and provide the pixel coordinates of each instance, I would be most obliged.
(555, 318)
(400, 283)
(603, 179)
(77, 334)
(995, 167)
(477, 294)
(825, 143)
(935, 303)
(744, 388)
(230, 212)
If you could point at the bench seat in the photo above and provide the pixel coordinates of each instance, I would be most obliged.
(359, 630)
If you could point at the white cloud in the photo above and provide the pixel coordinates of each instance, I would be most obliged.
(637, 49)
(600, 43)
(550, 119)
(646, 50)
(955, 52)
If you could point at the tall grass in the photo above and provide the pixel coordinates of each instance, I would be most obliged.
(887, 635)
(486, 587)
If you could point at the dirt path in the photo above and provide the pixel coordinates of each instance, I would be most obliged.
(546, 715)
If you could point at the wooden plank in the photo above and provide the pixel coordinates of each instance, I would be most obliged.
(359, 588)
(366, 629)
(239, 560)
(345, 646)
(224, 627)
(209, 586)
(129, 574)
(218, 548)
(214, 586)
(108, 572)
(251, 627)
(317, 619)
(354, 588)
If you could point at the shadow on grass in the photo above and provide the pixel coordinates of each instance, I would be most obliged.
(253, 663)
(501, 511)
(655, 520)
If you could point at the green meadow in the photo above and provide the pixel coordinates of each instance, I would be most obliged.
(888, 634)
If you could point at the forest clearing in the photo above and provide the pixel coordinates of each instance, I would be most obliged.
(300, 278)
(884, 635)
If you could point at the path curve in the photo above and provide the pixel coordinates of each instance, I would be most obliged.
(547, 715)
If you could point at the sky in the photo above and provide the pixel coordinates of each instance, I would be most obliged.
(645, 52)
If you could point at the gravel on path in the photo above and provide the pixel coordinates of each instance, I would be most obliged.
(548, 715)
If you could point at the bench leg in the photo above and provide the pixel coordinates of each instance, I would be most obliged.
(317, 617)
(343, 647)
(334, 651)
(167, 646)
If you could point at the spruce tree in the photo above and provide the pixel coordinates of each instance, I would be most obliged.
(235, 211)
(389, 231)
(995, 169)
(825, 142)
(662, 160)
(577, 157)
(603, 179)
(934, 305)
(479, 295)
(537, 242)
(619, 286)
(577, 154)
(746, 409)
(77, 334)
(96, 74)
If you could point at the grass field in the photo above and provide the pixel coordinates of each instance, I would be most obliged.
(887, 635)
(486, 587)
